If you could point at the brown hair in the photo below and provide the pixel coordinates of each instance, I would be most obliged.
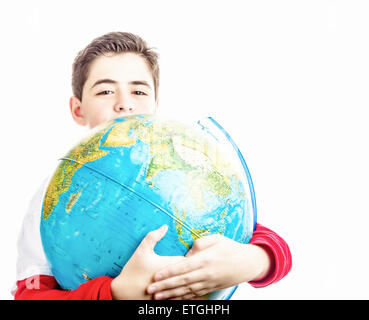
(113, 42)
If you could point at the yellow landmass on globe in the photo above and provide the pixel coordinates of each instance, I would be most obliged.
(195, 233)
(87, 150)
(165, 158)
(174, 147)
(119, 134)
(196, 189)
(209, 163)
(178, 147)
(72, 200)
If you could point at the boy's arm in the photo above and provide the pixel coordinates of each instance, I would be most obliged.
(42, 287)
(279, 254)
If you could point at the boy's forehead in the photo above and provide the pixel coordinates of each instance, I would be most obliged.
(124, 67)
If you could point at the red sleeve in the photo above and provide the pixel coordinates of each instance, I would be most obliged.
(43, 287)
(279, 252)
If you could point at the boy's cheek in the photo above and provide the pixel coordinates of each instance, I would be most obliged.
(98, 117)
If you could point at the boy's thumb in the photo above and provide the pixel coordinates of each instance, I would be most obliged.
(153, 237)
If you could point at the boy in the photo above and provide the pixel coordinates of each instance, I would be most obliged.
(118, 75)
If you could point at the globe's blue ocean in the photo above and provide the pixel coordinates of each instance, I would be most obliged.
(131, 176)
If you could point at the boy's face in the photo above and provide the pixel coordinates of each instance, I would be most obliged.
(117, 85)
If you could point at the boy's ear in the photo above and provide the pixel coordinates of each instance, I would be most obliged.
(76, 111)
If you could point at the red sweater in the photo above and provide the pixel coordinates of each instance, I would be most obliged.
(41, 287)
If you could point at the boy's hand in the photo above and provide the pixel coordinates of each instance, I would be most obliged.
(139, 271)
(214, 262)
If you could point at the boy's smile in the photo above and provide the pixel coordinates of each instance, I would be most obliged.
(117, 85)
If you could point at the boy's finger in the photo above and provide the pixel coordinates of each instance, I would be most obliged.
(203, 243)
(153, 237)
(182, 267)
(180, 285)
(189, 253)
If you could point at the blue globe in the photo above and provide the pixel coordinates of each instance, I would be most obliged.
(132, 175)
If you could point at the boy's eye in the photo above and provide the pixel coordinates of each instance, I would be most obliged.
(105, 92)
(139, 93)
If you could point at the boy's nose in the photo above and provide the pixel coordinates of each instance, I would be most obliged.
(123, 104)
(126, 108)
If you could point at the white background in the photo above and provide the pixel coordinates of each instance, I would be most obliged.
(289, 80)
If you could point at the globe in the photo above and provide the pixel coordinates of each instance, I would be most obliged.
(132, 175)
